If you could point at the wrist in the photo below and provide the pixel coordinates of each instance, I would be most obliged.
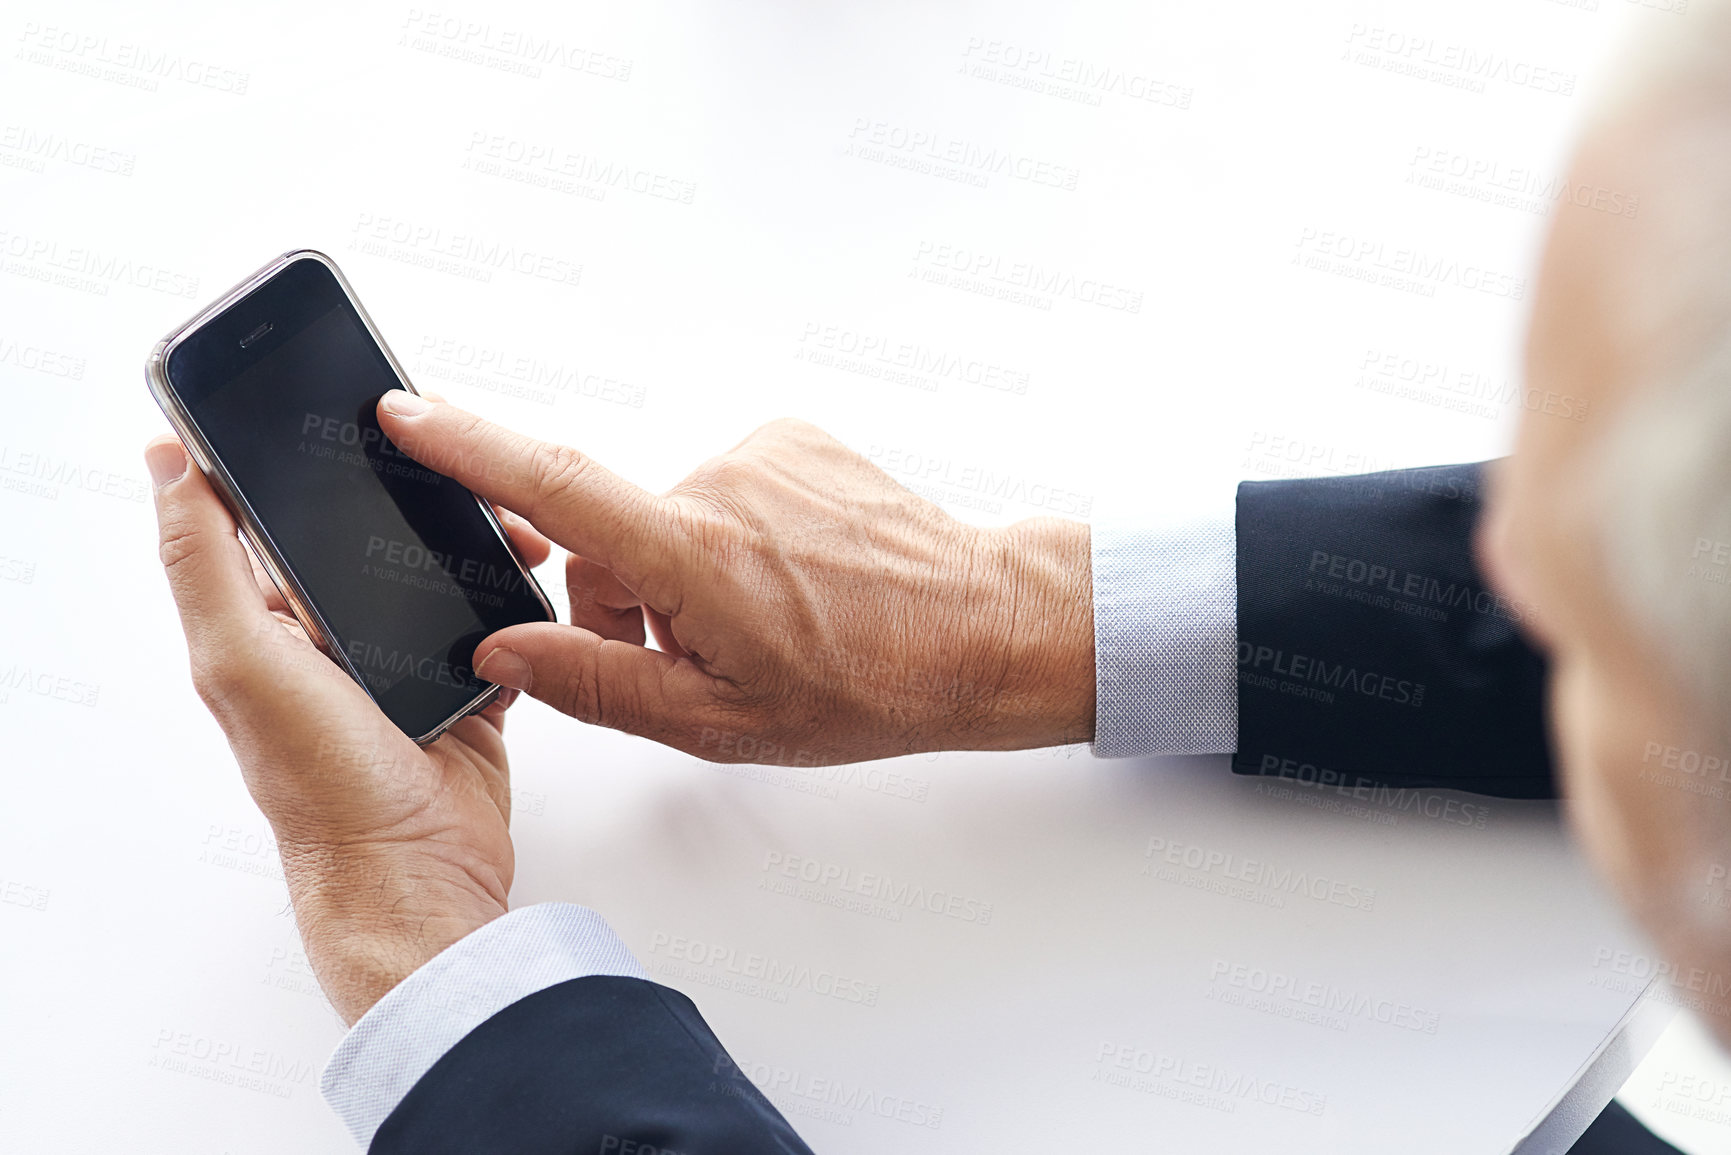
(1043, 648)
(370, 919)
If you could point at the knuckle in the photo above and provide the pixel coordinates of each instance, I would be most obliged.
(794, 429)
(215, 681)
(785, 430)
(557, 470)
(583, 696)
(721, 490)
(182, 542)
(731, 471)
(458, 448)
(469, 425)
(728, 484)
(791, 437)
(706, 523)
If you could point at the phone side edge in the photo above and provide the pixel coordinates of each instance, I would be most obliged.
(485, 697)
(258, 538)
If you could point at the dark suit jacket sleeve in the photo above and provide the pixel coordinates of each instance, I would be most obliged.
(595, 1066)
(1370, 650)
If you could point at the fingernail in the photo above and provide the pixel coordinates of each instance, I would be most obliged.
(405, 404)
(506, 667)
(166, 461)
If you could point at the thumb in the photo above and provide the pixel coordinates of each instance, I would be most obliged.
(222, 611)
(604, 682)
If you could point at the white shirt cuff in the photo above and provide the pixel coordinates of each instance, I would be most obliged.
(1166, 635)
(428, 1013)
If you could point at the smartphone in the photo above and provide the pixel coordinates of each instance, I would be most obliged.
(394, 570)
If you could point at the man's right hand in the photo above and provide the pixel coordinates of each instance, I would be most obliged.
(809, 609)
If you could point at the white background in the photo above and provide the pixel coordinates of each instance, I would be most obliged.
(781, 221)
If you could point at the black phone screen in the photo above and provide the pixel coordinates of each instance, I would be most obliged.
(400, 561)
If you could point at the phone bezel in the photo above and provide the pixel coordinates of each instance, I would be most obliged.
(252, 531)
